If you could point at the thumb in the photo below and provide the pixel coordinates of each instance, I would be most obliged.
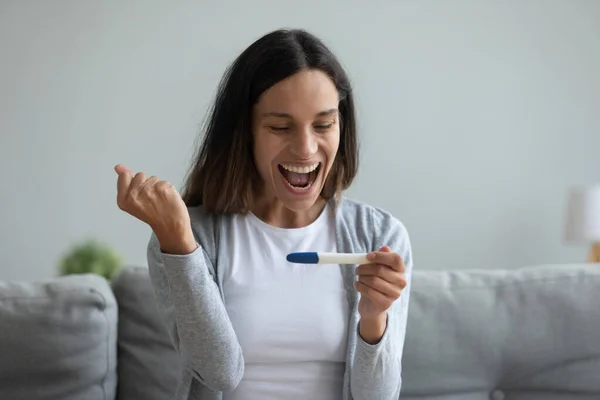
(120, 169)
(386, 249)
(124, 180)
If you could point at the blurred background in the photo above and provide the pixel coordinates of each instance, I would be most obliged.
(476, 117)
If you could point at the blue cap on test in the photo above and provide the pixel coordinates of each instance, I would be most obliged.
(303, 258)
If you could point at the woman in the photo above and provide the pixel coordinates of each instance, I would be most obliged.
(279, 148)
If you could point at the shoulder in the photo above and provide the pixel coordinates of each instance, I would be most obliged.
(366, 216)
(376, 225)
(201, 220)
(206, 228)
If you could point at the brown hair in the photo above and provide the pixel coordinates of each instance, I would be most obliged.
(223, 175)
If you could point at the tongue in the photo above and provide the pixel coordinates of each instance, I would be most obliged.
(297, 178)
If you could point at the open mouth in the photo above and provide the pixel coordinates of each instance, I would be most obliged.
(300, 178)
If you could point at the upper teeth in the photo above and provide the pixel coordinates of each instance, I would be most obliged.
(302, 170)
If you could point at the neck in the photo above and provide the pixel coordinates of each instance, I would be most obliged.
(274, 213)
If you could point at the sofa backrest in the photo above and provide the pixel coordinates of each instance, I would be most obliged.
(149, 368)
(58, 339)
(526, 334)
(529, 333)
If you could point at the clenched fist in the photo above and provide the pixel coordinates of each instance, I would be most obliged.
(158, 204)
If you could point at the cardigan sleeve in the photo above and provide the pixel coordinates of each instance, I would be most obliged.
(376, 372)
(195, 315)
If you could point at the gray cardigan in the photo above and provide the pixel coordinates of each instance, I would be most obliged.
(191, 302)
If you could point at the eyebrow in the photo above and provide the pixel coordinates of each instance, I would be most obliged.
(325, 113)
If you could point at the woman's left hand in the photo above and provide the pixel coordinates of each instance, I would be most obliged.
(380, 283)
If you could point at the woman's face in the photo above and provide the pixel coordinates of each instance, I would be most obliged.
(296, 131)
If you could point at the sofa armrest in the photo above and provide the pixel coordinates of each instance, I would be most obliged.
(58, 339)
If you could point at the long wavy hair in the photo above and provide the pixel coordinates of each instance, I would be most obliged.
(223, 175)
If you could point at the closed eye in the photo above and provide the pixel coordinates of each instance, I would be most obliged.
(278, 128)
(323, 128)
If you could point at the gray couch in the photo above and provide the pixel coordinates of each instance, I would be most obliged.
(526, 334)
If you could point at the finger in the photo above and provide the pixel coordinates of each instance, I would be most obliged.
(149, 183)
(384, 287)
(375, 296)
(392, 260)
(137, 181)
(121, 169)
(164, 187)
(382, 271)
(124, 180)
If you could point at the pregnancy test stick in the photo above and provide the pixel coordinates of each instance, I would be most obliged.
(328, 258)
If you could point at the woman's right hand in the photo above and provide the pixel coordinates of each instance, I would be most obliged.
(158, 204)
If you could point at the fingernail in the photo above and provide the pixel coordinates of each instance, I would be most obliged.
(371, 256)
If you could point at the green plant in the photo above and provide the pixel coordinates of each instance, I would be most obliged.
(91, 257)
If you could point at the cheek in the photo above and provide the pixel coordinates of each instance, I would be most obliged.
(265, 150)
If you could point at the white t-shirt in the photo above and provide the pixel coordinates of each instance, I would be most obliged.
(291, 319)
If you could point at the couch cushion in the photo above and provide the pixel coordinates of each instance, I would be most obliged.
(531, 333)
(58, 339)
(149, 368)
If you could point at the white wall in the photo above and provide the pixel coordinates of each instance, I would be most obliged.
(476, 116)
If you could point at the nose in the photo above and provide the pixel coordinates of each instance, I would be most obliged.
(304, 144)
